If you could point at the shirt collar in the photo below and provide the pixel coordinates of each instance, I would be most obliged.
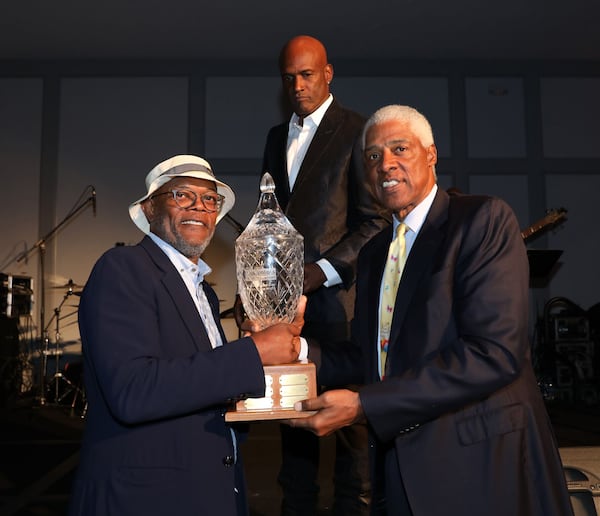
(415, 219)
(182, 263)
(314, 119)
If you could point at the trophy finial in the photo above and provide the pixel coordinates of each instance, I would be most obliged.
(267, 185)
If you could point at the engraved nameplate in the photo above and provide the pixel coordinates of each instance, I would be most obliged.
(288, 402)
(293, 379)
(293, 390)
(258, 403)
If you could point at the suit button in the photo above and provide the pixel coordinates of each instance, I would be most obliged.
(228, 461)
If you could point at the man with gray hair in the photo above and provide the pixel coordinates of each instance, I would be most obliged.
(457, 423)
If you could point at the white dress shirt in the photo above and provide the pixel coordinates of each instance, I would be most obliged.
(300, 136)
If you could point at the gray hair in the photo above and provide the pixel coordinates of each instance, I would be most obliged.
(406, 114)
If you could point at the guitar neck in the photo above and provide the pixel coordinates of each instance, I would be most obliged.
(526, 233)
(553, 217)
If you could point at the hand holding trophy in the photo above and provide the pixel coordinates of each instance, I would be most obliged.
(270, 273)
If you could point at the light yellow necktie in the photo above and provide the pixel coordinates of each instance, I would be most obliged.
(391, 279)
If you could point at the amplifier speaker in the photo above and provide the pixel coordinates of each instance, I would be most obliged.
(571, 328)
(581, 465)
(11, 367)
(16, 295)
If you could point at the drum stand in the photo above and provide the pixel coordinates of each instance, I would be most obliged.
(58, 376)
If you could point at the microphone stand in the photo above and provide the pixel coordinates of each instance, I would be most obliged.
(41, 246)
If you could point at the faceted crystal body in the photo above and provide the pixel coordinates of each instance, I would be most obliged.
(269, 257)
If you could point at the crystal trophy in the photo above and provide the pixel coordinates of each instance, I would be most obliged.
(269, 257)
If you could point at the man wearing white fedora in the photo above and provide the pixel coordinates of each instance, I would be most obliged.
(158, 370)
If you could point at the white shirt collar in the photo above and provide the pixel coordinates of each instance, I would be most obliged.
(415, 219)
(182, 263)
(314, 119)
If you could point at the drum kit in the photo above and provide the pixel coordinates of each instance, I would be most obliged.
(64, 386)
(32, 364)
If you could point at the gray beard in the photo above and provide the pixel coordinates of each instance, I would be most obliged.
(188, 250)
(176, 241)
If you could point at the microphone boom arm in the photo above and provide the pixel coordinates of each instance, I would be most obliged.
(42, 241)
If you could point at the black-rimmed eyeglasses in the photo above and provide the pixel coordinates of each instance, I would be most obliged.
(185, 199)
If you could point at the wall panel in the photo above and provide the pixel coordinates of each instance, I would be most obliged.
(112, 133)
(20, 146)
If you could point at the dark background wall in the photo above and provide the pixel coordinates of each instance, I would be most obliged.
(526, 132)
(95, 96)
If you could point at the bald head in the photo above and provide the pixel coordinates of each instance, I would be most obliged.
(305, 73)
(303, 44)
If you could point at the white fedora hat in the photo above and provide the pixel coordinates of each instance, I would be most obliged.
(184, 165)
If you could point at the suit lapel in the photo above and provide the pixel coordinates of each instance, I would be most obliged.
(180, 295)
(213, 301)
(331, 122)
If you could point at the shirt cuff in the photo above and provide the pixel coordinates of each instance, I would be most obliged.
(333, 278)
(303, 356)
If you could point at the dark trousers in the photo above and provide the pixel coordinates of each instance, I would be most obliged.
(298, 476)
(388, 497)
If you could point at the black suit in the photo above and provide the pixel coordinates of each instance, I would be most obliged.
(331, 207)
(458, 426)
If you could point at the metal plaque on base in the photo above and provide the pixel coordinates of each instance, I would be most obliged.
(269, 256)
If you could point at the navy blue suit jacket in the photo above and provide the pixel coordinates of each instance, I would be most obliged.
(458, 420)
(155, 440)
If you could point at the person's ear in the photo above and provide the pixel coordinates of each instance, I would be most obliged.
(328, 73)
(149, 210)
(432, 154)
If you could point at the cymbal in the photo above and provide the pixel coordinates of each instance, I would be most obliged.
(69, 284)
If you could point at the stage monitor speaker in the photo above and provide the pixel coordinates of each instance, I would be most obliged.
(581, 465)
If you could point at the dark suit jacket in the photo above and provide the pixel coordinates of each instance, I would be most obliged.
(155, 437)
(330, 206)
(459, 414)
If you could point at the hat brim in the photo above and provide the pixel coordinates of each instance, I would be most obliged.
(139, 218)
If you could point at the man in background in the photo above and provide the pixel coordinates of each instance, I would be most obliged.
(316, 164)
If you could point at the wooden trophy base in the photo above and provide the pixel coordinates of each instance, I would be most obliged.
(285, 385)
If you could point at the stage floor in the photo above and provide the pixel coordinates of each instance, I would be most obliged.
(39, 447)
